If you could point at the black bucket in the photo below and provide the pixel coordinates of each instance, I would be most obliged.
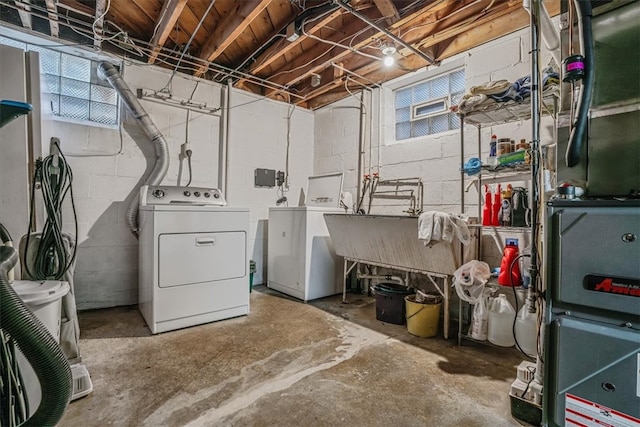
(390, 307)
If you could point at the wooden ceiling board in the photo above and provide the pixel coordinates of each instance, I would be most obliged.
(279, 13)
(135, 28)
(166, 21)
(232, 25)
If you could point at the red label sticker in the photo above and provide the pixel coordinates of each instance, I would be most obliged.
(584, 413)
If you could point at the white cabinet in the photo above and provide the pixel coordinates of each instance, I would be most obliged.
(301, 259)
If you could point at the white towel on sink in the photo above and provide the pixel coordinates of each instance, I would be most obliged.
(435, 226)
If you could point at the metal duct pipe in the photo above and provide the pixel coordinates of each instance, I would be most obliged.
(388, 33)
(111, 74)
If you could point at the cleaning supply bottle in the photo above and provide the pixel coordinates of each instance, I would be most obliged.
(527, 330)
(505, 207)
(501, 317)
(492, 160)
(495, 208)
(486, 210)
(507, 265)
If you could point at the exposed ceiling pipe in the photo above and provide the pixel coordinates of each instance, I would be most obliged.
(389, 34)
(161, 166)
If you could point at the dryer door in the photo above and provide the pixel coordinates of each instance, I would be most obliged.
(189, 258)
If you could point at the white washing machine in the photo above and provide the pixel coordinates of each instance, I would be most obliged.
(194, 266)
(301, 260)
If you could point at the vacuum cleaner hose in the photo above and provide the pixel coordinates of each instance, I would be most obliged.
(579, 132)
(38, 346)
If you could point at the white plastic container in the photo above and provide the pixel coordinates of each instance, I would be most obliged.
(479, 320)
(501, 317)
(44, 299)
(526, 331)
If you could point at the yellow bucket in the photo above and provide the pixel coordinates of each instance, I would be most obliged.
(423, 317)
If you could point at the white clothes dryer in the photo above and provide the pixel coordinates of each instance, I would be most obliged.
(193, 261)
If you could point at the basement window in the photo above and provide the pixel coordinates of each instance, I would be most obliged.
(423, 109)
(71, 88)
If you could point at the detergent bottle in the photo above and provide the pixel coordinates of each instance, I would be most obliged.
(509, 254)
(495, 208)
(486, 211)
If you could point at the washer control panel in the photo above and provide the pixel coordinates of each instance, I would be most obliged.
(167, 195)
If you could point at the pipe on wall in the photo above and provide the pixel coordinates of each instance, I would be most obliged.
(223, 149)
(111, 74)
(361, 141)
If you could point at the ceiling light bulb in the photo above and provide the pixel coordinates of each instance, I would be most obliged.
(389, 61)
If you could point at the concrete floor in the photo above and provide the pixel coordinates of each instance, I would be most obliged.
(287, 364)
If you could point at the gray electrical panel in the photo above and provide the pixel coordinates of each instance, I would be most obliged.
(265, 178)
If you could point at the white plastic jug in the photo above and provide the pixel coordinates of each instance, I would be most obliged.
(526, 330)
(501, 317)
(479, 320)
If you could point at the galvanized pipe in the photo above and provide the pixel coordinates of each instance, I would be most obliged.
(389, 34)
(161, 166)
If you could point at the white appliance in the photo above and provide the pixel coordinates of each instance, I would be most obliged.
(301, 260)
(193, 257)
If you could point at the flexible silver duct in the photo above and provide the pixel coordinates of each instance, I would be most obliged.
(110, 73)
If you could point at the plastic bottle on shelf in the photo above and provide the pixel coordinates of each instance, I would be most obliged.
(495, 208)
(509, 254)
(486, 211)
(505, 206)
(492, 160)
(501, 317)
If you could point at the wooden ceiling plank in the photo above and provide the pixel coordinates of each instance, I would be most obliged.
(488, 30)
(388, 10)
(171, 11)
(24, 10)
(99, 22)
(232, 25)
(52, 14)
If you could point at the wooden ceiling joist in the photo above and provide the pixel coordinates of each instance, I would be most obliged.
(24, 10)
(52, 14)
(99, 22)
(232, 25)
(171, 10)
(388, 10)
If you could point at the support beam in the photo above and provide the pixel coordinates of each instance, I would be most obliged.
(52, 13)
(171, 10)
(99, 22)
(388, 10)
(231, 26)
(24, 10)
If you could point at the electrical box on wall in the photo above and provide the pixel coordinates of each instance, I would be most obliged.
(265, 178)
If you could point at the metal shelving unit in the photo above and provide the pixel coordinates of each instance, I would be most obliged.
(494, 115)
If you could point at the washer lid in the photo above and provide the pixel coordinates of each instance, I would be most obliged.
(42, 292)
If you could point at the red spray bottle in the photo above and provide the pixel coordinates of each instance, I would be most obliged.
(486, 211)
(497, 205)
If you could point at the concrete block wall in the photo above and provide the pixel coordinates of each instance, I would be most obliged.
(107, 177)
(436, 159)
(258, 133)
